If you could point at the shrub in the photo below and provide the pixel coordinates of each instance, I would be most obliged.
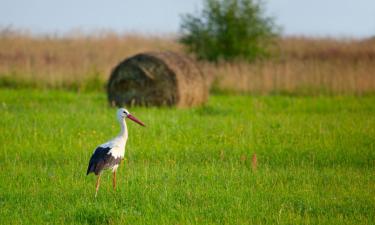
(228, 29)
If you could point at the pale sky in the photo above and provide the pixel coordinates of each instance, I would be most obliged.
(338, 18)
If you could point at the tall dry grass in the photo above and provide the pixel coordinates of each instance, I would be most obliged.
(305, 66)
(301, 65)
(70, 62)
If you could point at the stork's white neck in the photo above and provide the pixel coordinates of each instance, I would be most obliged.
(124, 129)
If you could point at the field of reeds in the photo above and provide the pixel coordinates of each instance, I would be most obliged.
(301, 66)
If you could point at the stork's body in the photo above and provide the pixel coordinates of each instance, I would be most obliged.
(110, 154)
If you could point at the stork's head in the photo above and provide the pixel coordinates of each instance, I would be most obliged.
(123, 114)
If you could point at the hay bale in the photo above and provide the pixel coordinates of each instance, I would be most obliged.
(157, 79)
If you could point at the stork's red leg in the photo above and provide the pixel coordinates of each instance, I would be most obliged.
(114, 180)
(97, 185)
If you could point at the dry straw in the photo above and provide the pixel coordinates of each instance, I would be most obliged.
(157, 79)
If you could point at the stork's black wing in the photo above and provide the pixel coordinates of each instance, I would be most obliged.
(101, 159)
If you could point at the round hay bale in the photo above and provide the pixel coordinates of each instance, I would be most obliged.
(157, 79)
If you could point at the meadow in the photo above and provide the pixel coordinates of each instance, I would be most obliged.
(308, 113)
(189, 166)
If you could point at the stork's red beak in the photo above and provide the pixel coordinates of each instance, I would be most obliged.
(136, 120)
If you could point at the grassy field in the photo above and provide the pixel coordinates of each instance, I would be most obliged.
(189, 166)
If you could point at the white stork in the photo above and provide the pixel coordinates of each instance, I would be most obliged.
(110, 154)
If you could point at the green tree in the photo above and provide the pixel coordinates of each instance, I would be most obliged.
(228, 29)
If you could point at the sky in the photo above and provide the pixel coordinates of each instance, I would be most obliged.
(334, 18)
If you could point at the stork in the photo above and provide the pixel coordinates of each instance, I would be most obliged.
(110, 154)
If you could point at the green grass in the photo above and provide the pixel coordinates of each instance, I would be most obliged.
(316, 161)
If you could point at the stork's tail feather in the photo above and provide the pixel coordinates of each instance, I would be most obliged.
(90, 169)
